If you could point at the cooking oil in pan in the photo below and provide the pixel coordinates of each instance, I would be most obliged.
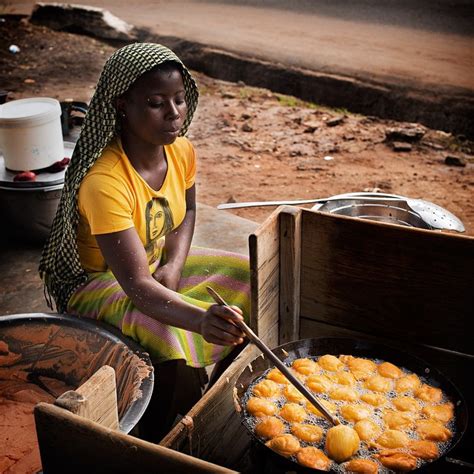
(366, 450)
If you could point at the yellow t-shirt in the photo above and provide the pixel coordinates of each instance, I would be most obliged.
(114, 197)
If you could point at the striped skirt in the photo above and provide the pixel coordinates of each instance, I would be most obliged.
(102, 298)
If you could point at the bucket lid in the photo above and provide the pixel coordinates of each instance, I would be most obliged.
(43, 180)
(34, 111)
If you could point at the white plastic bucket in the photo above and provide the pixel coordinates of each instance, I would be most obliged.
(30, 133)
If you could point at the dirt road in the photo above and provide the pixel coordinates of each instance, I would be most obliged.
(424, 45)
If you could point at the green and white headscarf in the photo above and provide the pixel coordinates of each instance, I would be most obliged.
(60, 267)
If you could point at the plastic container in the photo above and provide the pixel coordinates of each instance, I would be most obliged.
(30, 133)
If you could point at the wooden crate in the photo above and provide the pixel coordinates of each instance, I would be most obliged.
(316, 274)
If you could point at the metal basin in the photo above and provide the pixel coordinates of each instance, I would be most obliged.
(70, 350)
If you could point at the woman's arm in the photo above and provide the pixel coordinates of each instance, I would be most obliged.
(177, 245)
(125, 255)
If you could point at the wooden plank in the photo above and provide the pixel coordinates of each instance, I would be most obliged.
(95, 399)
(396, 282)
(212, 429)
(290, 267)
(73, 444)
(264, 270)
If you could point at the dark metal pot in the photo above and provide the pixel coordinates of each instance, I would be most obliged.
(358, 348)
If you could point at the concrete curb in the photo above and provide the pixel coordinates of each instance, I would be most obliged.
(451, 111)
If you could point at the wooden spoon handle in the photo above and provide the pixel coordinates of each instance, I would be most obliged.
(281, 366)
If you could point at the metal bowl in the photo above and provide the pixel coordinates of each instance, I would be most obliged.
(70, 349)
(393, 212)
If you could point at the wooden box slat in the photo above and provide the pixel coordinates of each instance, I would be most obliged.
(386, 280)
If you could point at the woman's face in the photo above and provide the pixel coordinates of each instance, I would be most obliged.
(155, 107)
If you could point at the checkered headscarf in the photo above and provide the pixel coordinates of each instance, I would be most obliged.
(60, 267)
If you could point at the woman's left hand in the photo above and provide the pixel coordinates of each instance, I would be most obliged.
(168, 275)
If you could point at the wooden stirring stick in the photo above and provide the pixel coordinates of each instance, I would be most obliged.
(281, 366)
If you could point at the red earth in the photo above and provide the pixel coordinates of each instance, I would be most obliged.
(255, 145)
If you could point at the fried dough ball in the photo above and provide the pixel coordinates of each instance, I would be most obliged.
(342, 378)
(319, 383)
(375, 399)
(306, 432)
(356, 412)
(305, 366)
(377, 383)
(398, 420)
(285, 444)
(443, 413)
(330, 407)
(423, 449)
(292, 394)
(360, 368)
(270, 427)
(432, 430)
(407, 383)
(389, 370)
(276, 376)
(406, 404)
(342, 442)
(260, 407)
(313, 458)
(393, 439)
(396, 460)
(367, 429)
(427, 393)
(267, 389)
(362, 466)
(344, 393)
(330, 362)
(293, 412)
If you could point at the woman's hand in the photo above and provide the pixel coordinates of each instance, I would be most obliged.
(168, 275)
(217, 327)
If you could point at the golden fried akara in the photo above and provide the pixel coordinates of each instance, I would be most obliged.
(269, 427)
(407, 383)
(330, 407)
(375, 399)
(389, 370)
(377, 383)
(397, 460)
(393, 439)
(367, 429)
(307, 432)
(293, 412)
(342, 442)
(406, 404)
(267, 389)
(305, 366)
(356, 412)
(260, 407)
(398, 420)
(432, 430)
(276, 376)
(319, 383)
(362, 466)
(292, 394)
(330, 362)
(443, 412)
(423, 449)
(430, 394)
(285, 444)
(342, 378)
(345, 393)
(313, 458)
(360, 368)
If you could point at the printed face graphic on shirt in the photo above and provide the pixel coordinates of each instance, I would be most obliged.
(159, 222)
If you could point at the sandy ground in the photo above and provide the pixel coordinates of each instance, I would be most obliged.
(255, 145)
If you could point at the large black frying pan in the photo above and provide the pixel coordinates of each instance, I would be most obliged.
(359, 348)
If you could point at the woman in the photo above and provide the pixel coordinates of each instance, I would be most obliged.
(119, 248)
